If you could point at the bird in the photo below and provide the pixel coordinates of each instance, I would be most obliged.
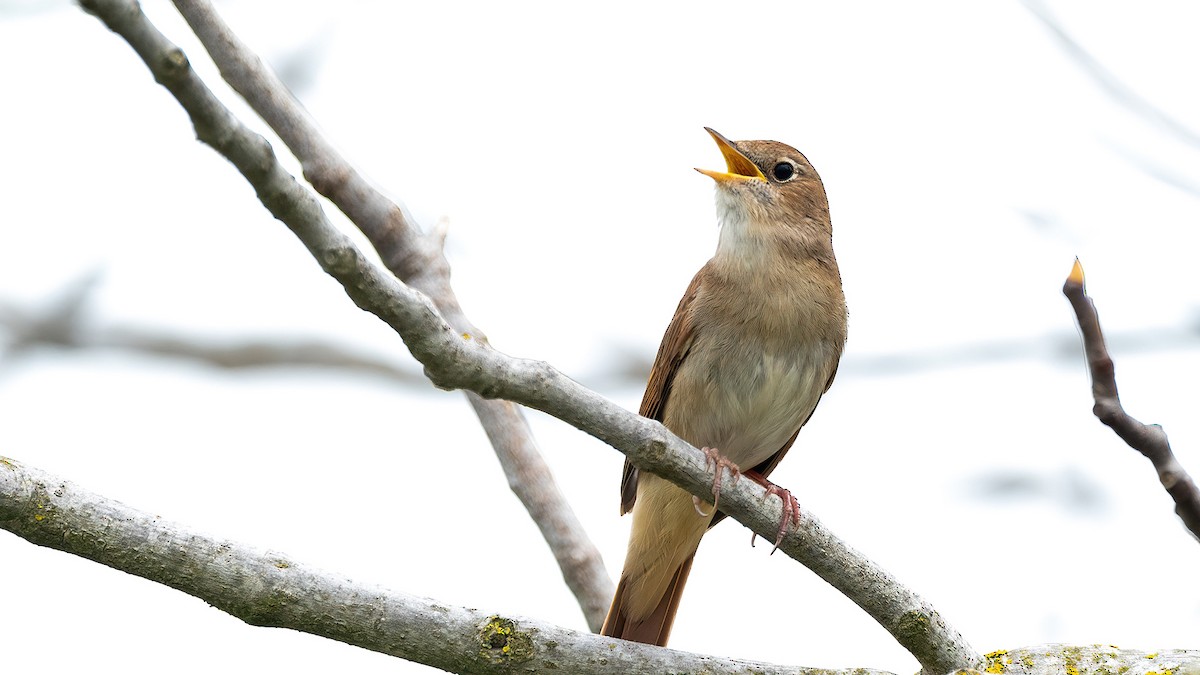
(754, 344)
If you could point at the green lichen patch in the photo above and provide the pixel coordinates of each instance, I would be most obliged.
(914, 626)
(1072, 657)
(501, 642)
(997, 662)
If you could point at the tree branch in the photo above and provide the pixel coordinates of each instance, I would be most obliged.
(1148, 439)
(458, 360)
(63, 322)
(417, 260)
(1090, 660)
(266, 588)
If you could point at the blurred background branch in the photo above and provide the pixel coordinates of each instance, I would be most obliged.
(66, 321)
(1112, 85)
(1127, 97)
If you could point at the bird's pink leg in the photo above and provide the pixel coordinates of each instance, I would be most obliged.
(713, 458)
(791, 507)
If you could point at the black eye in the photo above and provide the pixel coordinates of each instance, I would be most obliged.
(783, 171)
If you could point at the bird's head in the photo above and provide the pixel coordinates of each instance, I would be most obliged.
(769, 193)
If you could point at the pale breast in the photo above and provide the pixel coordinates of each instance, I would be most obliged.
(744, 399)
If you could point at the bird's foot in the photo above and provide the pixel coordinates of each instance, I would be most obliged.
(713, 458)
(791, 507)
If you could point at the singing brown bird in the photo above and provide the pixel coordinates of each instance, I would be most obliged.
(753, 345)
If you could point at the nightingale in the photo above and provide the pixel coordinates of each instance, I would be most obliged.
(753, 345)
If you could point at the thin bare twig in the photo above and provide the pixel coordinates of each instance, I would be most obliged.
(266, 588)
(417, 260)
(1148, 439)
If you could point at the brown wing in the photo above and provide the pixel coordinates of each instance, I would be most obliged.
(675, 344)
(765, 468)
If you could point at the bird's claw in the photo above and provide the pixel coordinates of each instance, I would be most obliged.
(714, 459)
(791, 509)
(791, 512)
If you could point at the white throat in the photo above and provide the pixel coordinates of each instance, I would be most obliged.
(740, 241)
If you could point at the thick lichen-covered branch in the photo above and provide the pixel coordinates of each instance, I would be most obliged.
(267, 588)
(1090, 660)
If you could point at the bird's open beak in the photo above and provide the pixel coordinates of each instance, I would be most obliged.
(737, 165)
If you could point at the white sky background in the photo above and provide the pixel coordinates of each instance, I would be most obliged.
(967, 159)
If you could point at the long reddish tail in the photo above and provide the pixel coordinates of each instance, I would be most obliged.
(655, 628)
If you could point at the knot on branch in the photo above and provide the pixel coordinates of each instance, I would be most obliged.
(173, 67)
(1108, 411)
(339, 259)
(1169, 480)
(326, 178)
(655, 450)
(501, 643)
